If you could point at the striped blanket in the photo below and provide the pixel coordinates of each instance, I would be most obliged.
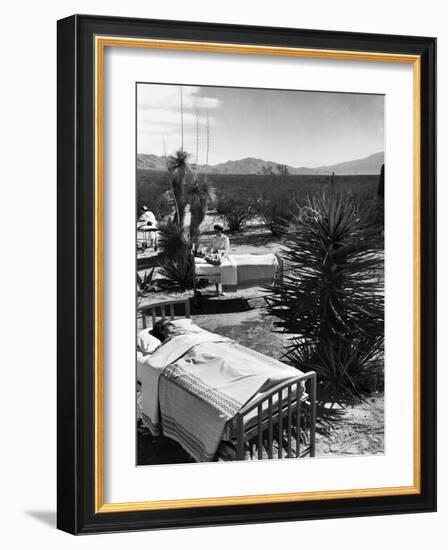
(193, 385)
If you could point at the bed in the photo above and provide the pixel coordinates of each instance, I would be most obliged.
(146, 236)
(221, 400)
(241, 270)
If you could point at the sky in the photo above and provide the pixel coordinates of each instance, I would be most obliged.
(289, 127)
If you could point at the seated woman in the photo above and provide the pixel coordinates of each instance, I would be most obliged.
(219, 243)
(218, 248)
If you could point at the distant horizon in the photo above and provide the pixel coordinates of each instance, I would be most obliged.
(272, 161)
(298, 128)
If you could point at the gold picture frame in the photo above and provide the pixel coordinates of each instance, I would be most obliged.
(97, 38)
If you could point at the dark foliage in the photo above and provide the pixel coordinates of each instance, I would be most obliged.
(200, 193)
(381, 183)
(178, 169)
(331, 297)
(235, 211)
(177, 273)
(146, 283)
(276, 210)
(174, 241)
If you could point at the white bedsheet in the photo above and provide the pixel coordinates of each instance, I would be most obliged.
(240, 268)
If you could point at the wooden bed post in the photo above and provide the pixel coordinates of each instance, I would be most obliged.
(239, 437)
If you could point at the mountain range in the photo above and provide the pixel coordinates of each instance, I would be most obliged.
(363, 166)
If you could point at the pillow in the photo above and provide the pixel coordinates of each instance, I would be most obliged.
(146, 342)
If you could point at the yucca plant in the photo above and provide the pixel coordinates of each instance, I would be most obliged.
(199, 194)
(174, 241)
(177, 273)
(176, 268)
(178, 169)
(146, 283)
(331, 298)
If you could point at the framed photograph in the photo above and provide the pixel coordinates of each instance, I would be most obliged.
(246, 274)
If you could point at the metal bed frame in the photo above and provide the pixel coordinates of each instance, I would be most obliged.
(280, 411)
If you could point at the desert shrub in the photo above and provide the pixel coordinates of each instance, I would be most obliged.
(155, 193)
(235, 211)
(177, 273)
(331, 298)
(275, 210)
(375, 209)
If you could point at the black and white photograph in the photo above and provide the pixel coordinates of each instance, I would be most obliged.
(260, 274)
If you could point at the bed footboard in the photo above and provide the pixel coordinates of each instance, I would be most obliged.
(283, 418)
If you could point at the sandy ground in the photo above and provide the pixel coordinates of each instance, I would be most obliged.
(360, 431)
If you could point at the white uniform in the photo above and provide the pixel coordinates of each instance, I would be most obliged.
(148, 216)
(219, 243)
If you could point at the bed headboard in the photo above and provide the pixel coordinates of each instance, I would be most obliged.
(164, 310)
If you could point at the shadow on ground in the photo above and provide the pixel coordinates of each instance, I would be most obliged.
(48, 517)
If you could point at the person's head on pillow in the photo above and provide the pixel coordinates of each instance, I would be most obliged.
(160, 329)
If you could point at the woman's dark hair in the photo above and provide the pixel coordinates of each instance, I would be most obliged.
(157, 330)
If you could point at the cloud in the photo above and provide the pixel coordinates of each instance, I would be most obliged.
(159, 116)
(161, 120)
(168, 98)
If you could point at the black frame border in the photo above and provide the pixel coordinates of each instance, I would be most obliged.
(76, 262)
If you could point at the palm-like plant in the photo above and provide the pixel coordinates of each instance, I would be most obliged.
(146, 283)
(178, 169)
(331, 298)
(174, 241)
(199, 194)
(177, 274)
(176, 269)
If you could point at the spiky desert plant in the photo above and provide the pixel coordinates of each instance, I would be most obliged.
(331, 298)
(176, 266)
(199, 194)
(174, 241)
(146, 283)
(177, 273)
(178, 168)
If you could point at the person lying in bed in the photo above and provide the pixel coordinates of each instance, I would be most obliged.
(160, 330)
(148, 340)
